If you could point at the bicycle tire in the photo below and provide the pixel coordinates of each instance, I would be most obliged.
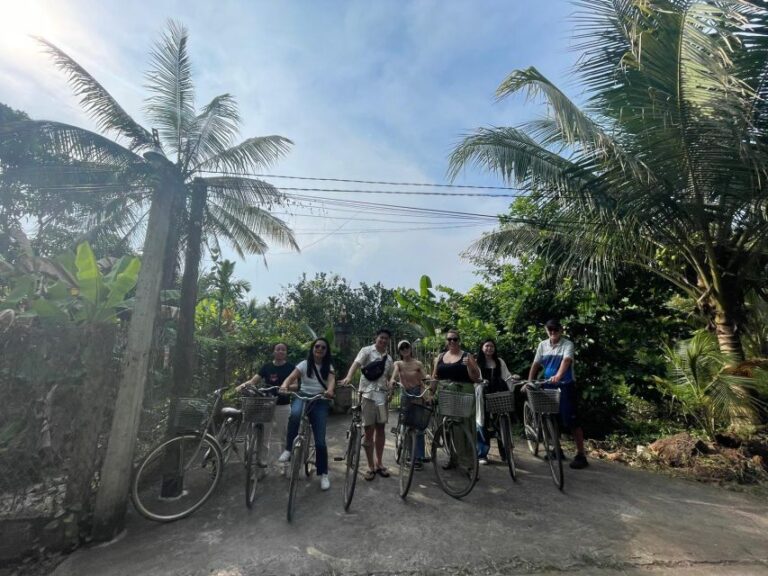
(310, 454)
(353, 464)
(407, 461)
(530, 428)
(199, 466)
(399, 433)
(455, 478)
(226, 437)
(253, 436)
(507, 445)
(297, 459)
(551, 432)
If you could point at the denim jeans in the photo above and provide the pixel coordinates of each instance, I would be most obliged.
(318, 418)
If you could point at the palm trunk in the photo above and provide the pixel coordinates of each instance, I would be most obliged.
(184, 352)
(727, 339)
(116, 470)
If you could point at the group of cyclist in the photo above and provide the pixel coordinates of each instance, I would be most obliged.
(454, 369)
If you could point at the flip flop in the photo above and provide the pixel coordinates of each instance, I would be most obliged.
(369, 475)
(383, 472)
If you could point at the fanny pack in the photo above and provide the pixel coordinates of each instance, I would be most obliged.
(373, 370)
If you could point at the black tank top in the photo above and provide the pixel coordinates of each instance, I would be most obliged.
(493, 375)
(456, 371)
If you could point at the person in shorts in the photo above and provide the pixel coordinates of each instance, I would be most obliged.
(555, 356)
(374, 400)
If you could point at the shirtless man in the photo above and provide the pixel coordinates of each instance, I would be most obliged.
(410, 373)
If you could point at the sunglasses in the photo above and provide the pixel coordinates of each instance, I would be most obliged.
(405, 347)
(320, 347)
(453, 339)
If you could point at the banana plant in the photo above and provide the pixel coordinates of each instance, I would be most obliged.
(73, 287)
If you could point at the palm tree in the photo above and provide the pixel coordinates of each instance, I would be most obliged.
(664, 167)
(172, 159)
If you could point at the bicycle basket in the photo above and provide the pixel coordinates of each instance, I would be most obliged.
(545, 401)
(417, 415)
(456, 404)
(258, 409)
(500, 402)
(190, 414)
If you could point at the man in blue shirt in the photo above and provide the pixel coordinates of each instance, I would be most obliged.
(555, 356)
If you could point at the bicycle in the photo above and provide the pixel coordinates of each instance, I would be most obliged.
(352, 451)
(302, 451)
(257, 412)
(501, 406)
(541, 413)
(454, 456)
(181, 473)
(413, 419)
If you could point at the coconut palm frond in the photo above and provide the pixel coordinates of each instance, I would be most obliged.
(252, 154)
(249, 191)
(96, 101)
(215, 129)
(171, 104)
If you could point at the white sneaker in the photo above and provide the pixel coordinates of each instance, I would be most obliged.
(325, 482)
(285, 456)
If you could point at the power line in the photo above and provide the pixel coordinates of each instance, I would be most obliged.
(377, 182)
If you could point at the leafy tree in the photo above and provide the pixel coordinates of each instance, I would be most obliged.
(664, 167)
(172, 159)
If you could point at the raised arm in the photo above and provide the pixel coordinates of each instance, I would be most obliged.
(350, 373)
(395, 373)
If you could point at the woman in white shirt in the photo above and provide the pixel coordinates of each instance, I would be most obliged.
(316, 376)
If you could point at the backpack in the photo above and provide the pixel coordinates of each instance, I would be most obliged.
(373, 370)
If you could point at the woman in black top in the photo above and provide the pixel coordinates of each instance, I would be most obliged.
(494, 370)
(457, 371)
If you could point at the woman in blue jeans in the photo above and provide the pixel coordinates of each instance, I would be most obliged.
(312, 376)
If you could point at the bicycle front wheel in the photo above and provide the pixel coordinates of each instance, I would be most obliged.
(253, 438)
(507, 447)
(531, 428)
(407, 461)
(454, 459)
(177, 477)
(399, 435)
(297, 460)
(353, 464)
(309, 455)
(551, 433)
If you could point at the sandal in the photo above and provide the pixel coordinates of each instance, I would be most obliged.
(383, 472)
(369, 475)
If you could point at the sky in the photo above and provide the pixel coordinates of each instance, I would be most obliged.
(378, 91)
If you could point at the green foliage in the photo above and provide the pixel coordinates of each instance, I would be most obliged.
(702, 385)
(72, 287)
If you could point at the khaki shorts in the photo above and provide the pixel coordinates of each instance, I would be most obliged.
(373, 413)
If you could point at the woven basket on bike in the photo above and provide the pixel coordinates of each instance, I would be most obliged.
(189, 414)
(456, 404)
(415, 414)
(545, 401)
(258, 409)
(500, 402)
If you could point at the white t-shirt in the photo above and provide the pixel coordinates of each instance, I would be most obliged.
(374, 390)
(310, 385)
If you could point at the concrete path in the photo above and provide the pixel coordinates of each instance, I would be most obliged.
(610, 520)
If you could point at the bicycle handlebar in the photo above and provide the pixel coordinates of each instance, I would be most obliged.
(405, 390)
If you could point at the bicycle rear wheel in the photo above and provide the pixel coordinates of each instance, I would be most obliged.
(253, 437)
(551, 433)
(407, 461)
(353, 464)
(297, 460)
(177, 477)
(531, 429)
(508, 448)
(454, 459)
